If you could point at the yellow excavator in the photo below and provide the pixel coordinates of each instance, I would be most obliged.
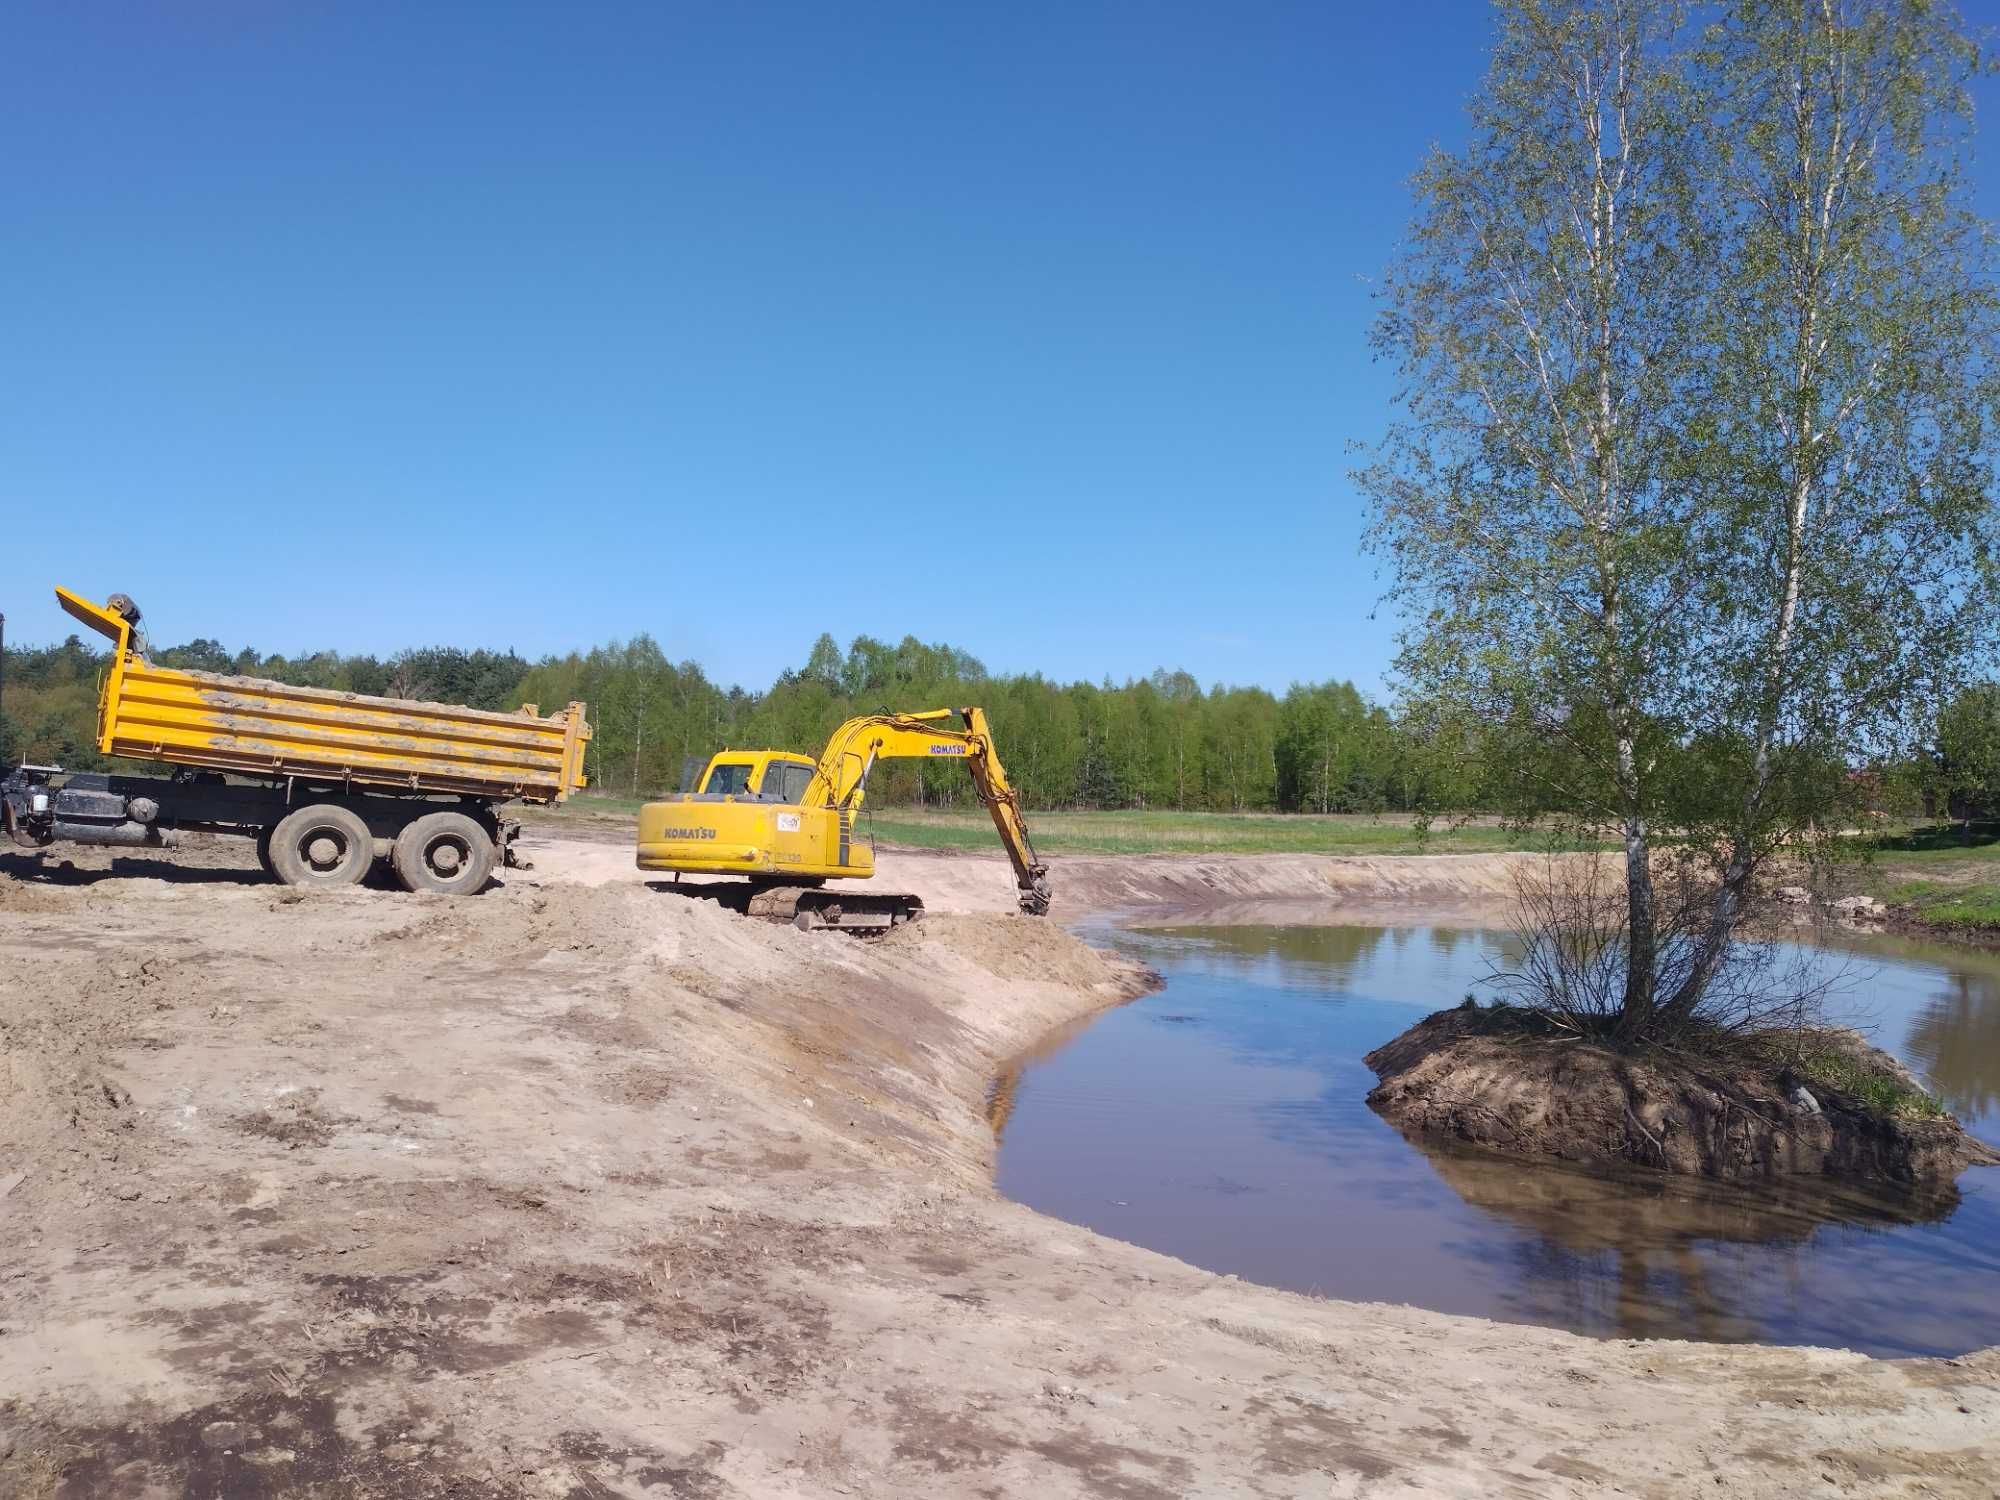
(785, 823)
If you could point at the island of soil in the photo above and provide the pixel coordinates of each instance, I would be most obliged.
(1798, 1104)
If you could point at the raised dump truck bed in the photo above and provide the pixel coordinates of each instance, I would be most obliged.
(327, 782)
(267, 729)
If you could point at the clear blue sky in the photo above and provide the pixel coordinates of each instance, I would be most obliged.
(1039, 329)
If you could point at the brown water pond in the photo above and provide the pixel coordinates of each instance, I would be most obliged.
(1222, 1120)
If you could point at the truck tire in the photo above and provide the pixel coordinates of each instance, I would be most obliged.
(444, 852)
(323, 845)
(264, 855)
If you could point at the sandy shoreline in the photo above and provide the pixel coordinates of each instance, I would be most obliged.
(581, 1190)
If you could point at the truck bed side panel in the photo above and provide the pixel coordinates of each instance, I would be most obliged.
(252, 727)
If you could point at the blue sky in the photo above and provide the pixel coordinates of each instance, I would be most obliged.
(1039, 329)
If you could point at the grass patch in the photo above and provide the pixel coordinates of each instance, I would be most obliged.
(1947, 841)
(587, 805)
(1200, 833)
(1945, 874)
(1944, 852)
(1875, 1090)
(1975, 906)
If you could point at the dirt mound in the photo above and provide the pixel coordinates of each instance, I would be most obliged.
(1502, 1078)
(534, 921)
(1013, 947)
(1250, 888)
(66, 1109)
(1219, 887)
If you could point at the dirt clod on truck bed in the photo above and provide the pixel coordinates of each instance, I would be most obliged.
(582, 1189)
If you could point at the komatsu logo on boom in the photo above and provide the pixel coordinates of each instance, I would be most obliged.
(947, 749)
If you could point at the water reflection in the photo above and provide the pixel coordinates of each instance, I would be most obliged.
(1005, 1089)
(1325, 956)
(1223, 1120)
(1938, 1009)
(1282, 955)
(1956, 1042)
(1624, 1252)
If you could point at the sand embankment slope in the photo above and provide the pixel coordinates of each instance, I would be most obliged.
(587, 1190)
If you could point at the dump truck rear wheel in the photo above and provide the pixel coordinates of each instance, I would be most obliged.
(321, 845)
(444, 852)
(264, 855)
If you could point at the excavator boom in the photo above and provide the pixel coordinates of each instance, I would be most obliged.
(850, 756)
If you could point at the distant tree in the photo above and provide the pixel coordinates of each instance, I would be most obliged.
(202, 655)
(1240, 729)
(1697, 339)
(1967, 767)
(825, 664)
(1182, 700)
(1330, 751)
(73, 661)
(409, 677)
(65, 739)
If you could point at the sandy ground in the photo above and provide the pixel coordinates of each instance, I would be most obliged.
(581, 1189)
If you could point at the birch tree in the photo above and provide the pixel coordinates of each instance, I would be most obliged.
(1688, 505)
(1845, 580)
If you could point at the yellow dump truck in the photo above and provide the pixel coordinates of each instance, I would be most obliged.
(326, 782)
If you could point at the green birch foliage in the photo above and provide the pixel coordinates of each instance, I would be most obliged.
(1689, 506)
(1843, 459)
(1528, 502)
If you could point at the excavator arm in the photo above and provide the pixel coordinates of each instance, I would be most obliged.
(841, 779)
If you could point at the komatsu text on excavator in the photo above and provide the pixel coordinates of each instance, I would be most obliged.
(785, 822)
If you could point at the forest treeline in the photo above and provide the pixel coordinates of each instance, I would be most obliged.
(1162, 741)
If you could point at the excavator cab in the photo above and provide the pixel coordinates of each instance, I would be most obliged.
(751, 817)
(762, 776)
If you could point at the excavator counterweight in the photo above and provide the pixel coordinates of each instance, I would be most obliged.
(783, 823)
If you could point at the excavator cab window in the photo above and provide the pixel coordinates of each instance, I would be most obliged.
(786, 781)
(730, 779)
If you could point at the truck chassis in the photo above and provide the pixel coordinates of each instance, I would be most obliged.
(307, 835)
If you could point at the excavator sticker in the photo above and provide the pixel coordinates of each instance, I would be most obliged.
(788, 822)
(947, 749)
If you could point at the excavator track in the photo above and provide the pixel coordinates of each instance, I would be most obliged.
(816, 909)
(809, 908)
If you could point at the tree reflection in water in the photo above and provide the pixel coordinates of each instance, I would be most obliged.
(1956, 1042)
(1620, 1252)
(1224, 1120)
